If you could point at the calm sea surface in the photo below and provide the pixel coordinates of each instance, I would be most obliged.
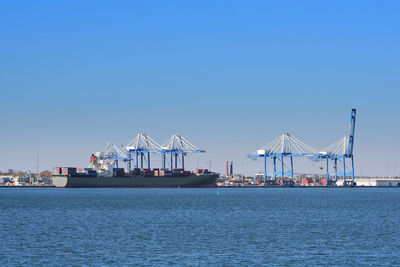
(263, 226)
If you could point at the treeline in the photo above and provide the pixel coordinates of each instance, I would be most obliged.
(12, 172)
(45, 173)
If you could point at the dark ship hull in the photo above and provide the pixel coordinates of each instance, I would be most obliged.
(140, 181)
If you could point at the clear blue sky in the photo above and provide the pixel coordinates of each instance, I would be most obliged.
(227, 75)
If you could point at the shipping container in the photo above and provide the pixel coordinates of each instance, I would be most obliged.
(57, 171)
(167, 173)
(68, 171)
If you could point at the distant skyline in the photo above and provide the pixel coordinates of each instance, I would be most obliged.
(229, 76)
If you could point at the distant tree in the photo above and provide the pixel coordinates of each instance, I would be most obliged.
(45, 173)
(18, 173)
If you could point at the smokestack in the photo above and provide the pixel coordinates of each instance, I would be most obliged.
(226, 170)
(231, 170)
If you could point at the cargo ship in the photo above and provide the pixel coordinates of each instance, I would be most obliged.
(144, 178)
(103, 168)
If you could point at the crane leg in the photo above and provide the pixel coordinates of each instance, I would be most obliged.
(265, 169)
(282, 170)
(344, 170)
(291, 169)
(352, 168)
(327, 171)
(335, 167)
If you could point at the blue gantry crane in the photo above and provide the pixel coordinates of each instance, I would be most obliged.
(137, 153)
(177, 148)
(341, 151)
(139, 150)
(283, 148)
(287, 147)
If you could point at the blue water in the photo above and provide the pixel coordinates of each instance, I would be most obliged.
(292, 226)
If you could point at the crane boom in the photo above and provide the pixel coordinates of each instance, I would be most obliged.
(351, 133)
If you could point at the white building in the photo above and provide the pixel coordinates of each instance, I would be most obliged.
(389, 182)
